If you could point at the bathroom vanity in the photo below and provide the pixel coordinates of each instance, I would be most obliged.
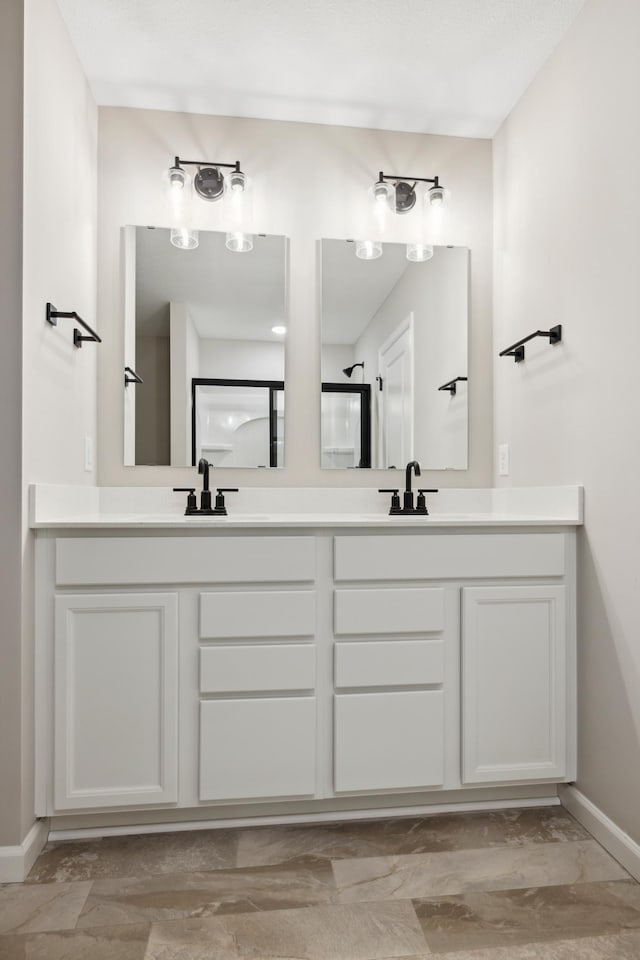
(296, 662)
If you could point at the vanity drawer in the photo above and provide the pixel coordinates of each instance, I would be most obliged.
(257, 669)
(140, 560)
(389, 663)
(277, 613)
(389, 610)
(449, 556)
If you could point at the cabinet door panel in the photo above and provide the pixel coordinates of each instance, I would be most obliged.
(513, 683)
(116, 682)
(257, 748)
(389, 741)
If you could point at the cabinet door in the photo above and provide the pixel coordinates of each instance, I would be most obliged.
(389, 741)
(115, 691)
(513, 683)
(257, 747)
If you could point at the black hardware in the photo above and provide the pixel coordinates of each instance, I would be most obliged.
(205, 495)
(192, 503)
(179, 162)
(379, 379)
(220, 507)
(421, 503)
(395, 499)
(349, 370)
(134, 378)
(451, 385)
(516, 350)
(407, 505)
(52, 318)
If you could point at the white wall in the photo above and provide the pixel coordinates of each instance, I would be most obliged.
(50, 255)
(241, 359)
(567, 250)
(11, 115)
(309, 181)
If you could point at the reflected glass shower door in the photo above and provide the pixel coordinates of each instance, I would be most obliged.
(238, 423)
(346, 425)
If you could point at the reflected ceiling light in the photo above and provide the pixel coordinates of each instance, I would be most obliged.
(368, 249)
(348, 371)
(279, 329)
(184, 238)
(239, 242)
(419, 252)
(400, 192)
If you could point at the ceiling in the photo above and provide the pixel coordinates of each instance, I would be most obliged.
(453, 67)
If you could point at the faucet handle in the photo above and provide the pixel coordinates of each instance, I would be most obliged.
(395, 499)
(192, 503)
(220, 508)
(421, 503)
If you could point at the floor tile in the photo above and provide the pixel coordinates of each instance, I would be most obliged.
(499, 918)
(623, 946)
(368, 931)
(139, 856)
(375, 838)
(51, 906)
(100, 943)
(440, 874)
(207, 894)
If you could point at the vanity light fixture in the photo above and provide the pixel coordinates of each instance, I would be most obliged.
(209, 183)
(400, 193)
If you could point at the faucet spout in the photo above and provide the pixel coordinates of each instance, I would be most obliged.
(407, 506)
(205, 495)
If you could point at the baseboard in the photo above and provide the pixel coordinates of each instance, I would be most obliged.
(16, 862)
(300, 818)
(618, 843)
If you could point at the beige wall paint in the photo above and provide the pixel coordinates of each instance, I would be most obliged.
(11, 115)
(567, 250)
(309, 182)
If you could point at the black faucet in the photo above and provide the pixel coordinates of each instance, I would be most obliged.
(407, 506)
(205, 496)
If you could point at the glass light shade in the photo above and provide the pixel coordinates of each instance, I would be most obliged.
(435, 196)
(184, 238)
(237, 180)
(368, 249)
(419, 252)
(239, 242)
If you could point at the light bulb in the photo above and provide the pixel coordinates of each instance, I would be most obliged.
(279, 329)
(419, 252)
(184, 238)
(239, 242)
(368, 249)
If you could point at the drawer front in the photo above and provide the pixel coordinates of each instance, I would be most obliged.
(389, 610)
(138, 560)
(278, 613)
(389, 663)
(389, 741)
(449, 556)
(246, 669)
(257, 748)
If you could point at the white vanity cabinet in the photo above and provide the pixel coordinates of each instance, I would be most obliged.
(302, 669)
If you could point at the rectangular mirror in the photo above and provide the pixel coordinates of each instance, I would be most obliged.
(204, 331)
(394, 358)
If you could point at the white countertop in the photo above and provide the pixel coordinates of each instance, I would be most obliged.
(76, 507)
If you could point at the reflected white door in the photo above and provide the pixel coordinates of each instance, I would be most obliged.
(395, 424)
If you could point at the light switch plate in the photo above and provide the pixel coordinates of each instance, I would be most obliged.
(503, 460)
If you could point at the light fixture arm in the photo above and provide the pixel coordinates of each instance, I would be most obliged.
(434, 181)
(179, 162)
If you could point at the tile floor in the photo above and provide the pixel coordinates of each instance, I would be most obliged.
(508, 885)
